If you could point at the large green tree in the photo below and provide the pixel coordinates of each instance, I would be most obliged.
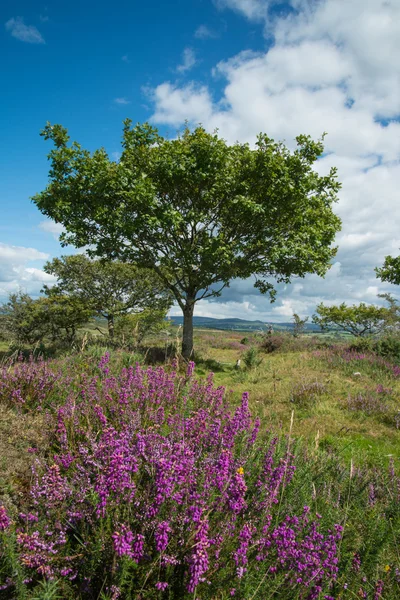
(109, 288)
(196, 210)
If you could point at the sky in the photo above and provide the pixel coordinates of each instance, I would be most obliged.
(242, 66)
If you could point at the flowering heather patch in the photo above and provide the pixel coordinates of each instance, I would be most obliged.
(375, 403)
(307, 393)
(155, 488)
(368, 403)
(27, 385)
(358, 360)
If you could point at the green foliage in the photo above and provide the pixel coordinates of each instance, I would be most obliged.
(390, 271)
(299, 324)
(18, 320)
(132, 328)
(47, 590)
(196, 210)
(358, 320)
(62, 316)
(387, 345)
(108, 288)
(28, 321)
(251, 358)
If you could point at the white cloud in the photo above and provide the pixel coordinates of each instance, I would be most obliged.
(333, 67)
(203, 33)
(24, 33)
(174, 105)
(20, 254)
(121, 101)
(188, 60)
(255, 10)
(125, 58)
(15, 272)
(56, 229)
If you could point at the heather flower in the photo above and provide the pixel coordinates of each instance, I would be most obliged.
(4, 519)
(123, 540)
(161, 585)
(161, 536)
(198, 563)
(378, 589)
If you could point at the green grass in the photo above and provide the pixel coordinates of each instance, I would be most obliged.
(354, 434)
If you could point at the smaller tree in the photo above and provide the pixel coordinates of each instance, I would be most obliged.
(18, 319)
(299, 324)
(134, 327)
(28, 321)
(358, 320)
(62, 316)
(108, 288)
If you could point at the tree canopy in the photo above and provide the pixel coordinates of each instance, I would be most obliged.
(390, 271)
(196, 210)
(108, 288)
(358, 320)
(28, 321)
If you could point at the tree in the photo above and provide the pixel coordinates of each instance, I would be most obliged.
(61, 316)
(197, 211)
(19, 321)
(28, 321)
(299, 324)
(390, 271)
(358, 320)
(108, 288)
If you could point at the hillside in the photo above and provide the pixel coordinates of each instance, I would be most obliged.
(240, 324)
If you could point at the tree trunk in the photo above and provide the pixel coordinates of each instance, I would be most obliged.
(187, 337)
(110, 323)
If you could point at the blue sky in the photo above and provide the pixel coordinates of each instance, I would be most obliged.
(243, 66)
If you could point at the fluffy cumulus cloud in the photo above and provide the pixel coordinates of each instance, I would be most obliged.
(331, 66)
(19, 269)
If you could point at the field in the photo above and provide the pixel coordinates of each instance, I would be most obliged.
(126, 481)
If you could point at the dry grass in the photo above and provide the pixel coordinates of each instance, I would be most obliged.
(18, 432)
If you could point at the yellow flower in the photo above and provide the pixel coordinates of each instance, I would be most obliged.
(387, 568)
(240, 471)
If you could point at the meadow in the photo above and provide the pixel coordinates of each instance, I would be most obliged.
(137, 475)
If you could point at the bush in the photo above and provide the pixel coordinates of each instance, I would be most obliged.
(172, 501)
(251, 358)
(305, 393)
(388, 346)
(272, 343)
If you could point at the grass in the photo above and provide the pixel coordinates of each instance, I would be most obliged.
(271, 385)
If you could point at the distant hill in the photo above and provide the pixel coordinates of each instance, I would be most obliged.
(240, 324)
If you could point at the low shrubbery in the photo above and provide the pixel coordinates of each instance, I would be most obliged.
(154, 487)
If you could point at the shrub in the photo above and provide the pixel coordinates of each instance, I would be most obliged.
(251, 358)
(272, 343)
(388, 346)
(155, 489)
(305, 393)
